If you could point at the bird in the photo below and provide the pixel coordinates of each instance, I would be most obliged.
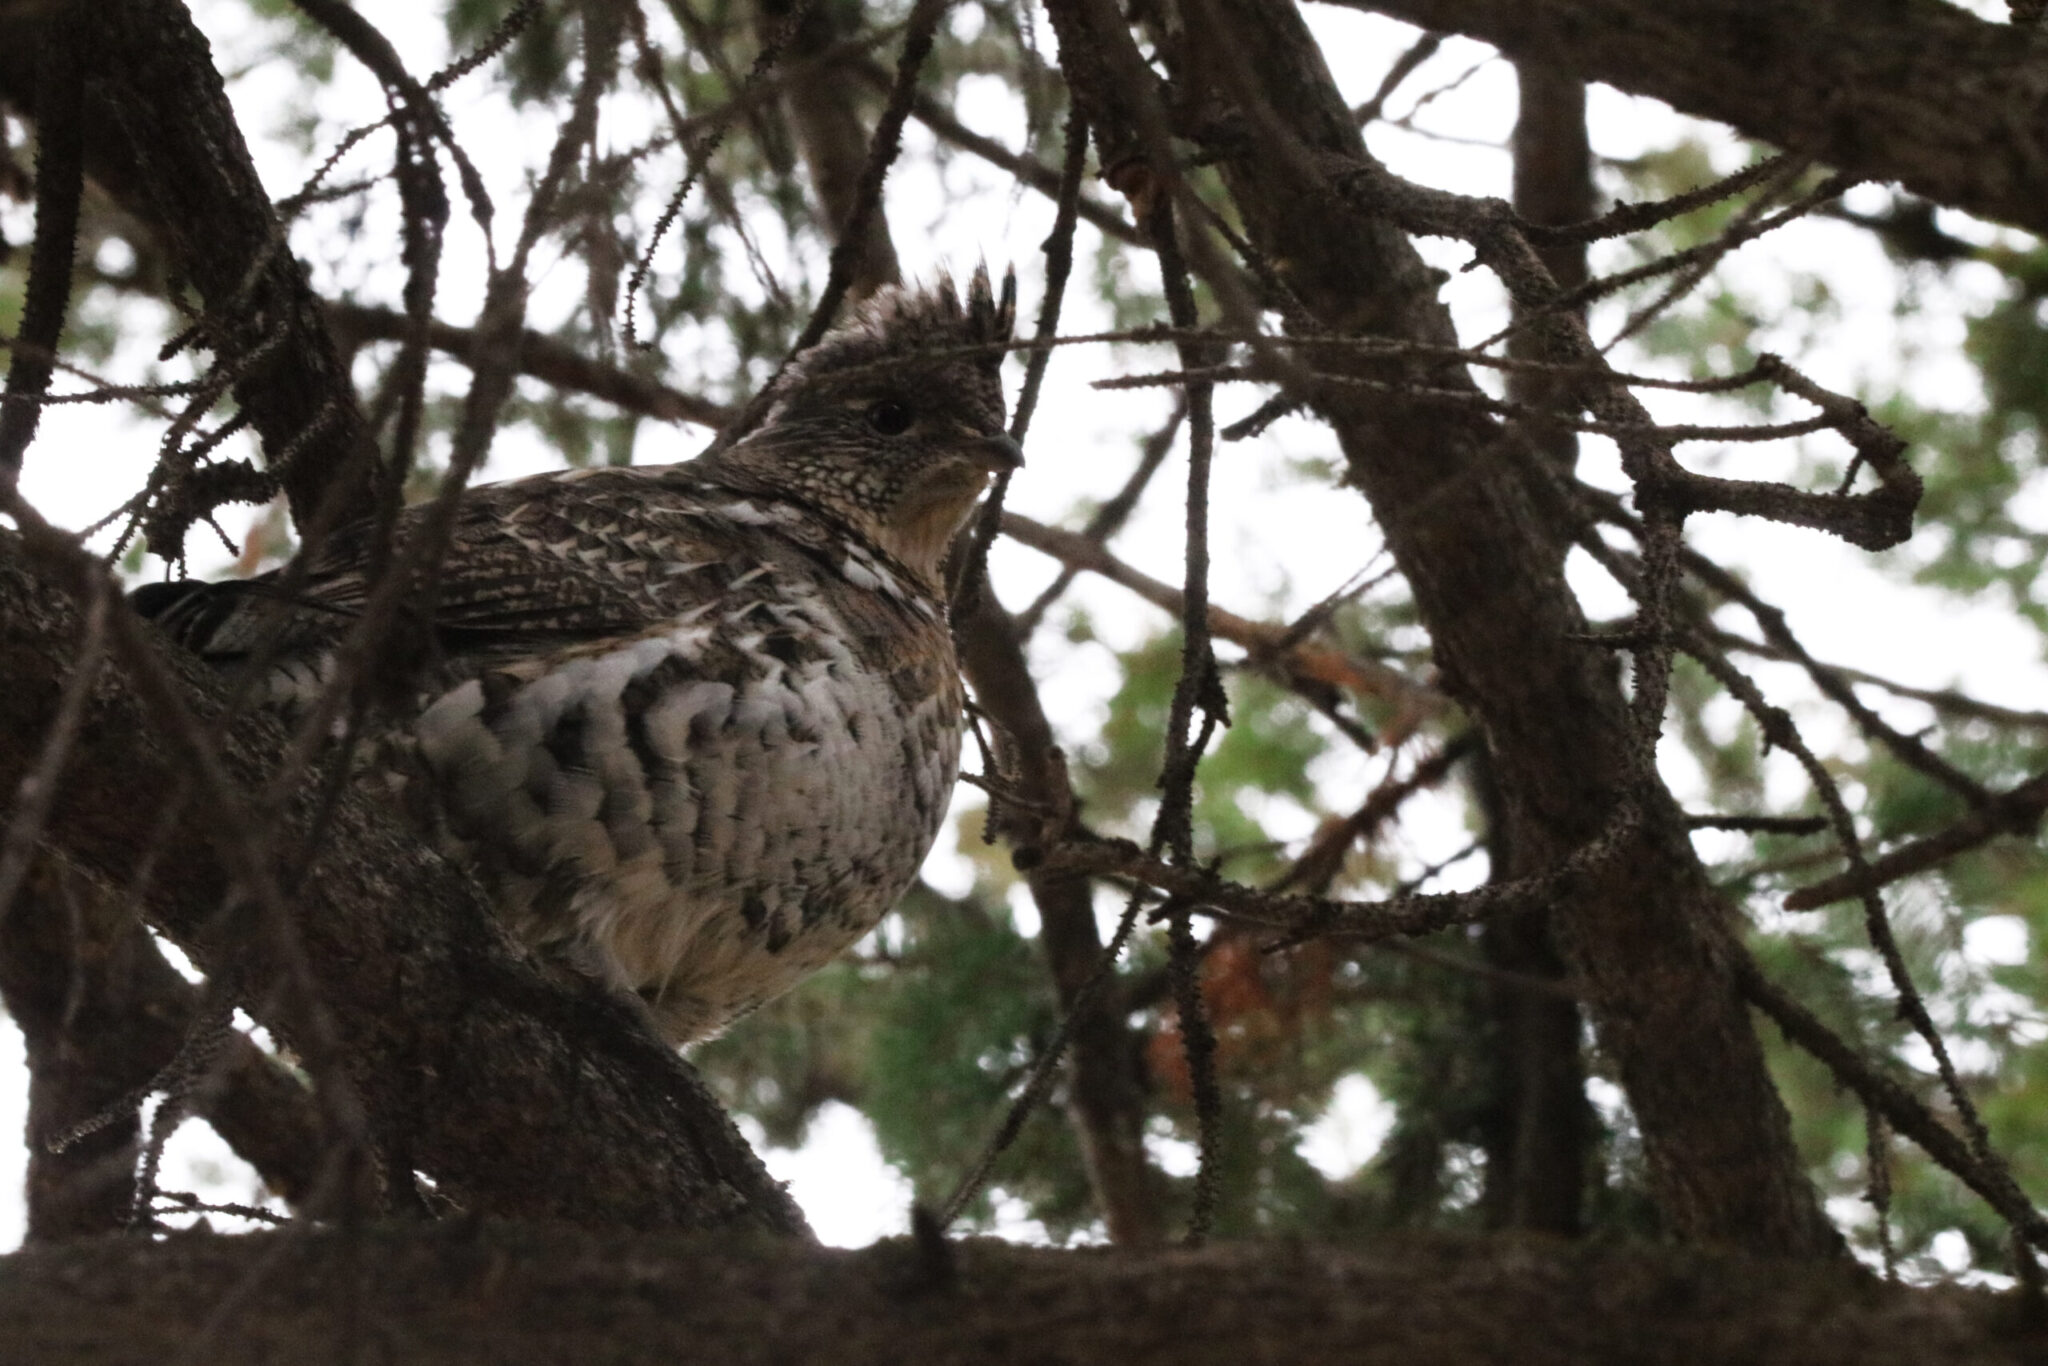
(693, 726)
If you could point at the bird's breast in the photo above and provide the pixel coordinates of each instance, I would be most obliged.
(709, 812)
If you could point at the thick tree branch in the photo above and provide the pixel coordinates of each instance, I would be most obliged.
(192, 179)
(518, 1296)
(60, 139)
(103, 1014)
(1916, 91)
(515, 1094)
(1483, 568)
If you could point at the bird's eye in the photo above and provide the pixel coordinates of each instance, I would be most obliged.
(890, 418)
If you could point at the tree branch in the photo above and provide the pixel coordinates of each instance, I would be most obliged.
(1264, 641)
(60, 138)
(525, 1296)
(1027, 169)
(103, 1015)
(202, 194)
(541, 357)
(1481, 563)
(516, 1094)
(825, 111)
(1108, 1102)
(1901, 1109)
(1914, 91)
(2017, 812)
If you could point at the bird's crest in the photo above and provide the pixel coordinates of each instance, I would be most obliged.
(901, 322)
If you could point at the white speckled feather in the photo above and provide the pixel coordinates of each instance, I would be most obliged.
(695, 726)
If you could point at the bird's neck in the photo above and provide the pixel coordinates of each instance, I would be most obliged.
(915, 538)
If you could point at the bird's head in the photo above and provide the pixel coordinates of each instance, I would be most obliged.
(894, 421)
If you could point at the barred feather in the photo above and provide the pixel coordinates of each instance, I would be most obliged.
(695, 725)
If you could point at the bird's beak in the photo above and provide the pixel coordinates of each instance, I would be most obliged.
(1000, 452)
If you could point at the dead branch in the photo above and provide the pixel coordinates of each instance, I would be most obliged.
(1778, 729)
(1901, 1109)
(1290, 914)
(2014, 812)
(1028, 170)
(1784, 644)
(1266, 642)
(192, 180)
(543, 358)
(1946, 701)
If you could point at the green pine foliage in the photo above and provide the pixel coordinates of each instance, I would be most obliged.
(931, 1028)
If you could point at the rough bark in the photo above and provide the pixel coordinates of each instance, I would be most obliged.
(1553, 185)
(1645, 933)
(1916, 91)
(1537, 1148)
(512, 1295)
(517, 1094)
(191, 179)
(102, 1014)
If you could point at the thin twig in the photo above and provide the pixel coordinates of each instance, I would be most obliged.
(1900, 1108)
(60, 171)
(700, 155)
(1109, 519)
(1027, 170)
(1059, 263)
(2014, 812)
(1421, 50)
(1268, 643)
(546, 359)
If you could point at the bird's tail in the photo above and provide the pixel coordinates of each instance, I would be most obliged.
(199, 615)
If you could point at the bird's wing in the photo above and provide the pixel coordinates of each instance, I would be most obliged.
(530, 565)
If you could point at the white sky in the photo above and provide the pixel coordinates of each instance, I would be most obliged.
(1080, 448)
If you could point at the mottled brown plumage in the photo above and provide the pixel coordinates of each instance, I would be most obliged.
(694, 725)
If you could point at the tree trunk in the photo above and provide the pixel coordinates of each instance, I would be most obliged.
(1538, 1148)
(1646, 935)
(824, 109)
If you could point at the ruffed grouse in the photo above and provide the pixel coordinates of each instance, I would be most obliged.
(695, 726)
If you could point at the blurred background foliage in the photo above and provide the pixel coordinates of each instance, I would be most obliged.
(930, 1027)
